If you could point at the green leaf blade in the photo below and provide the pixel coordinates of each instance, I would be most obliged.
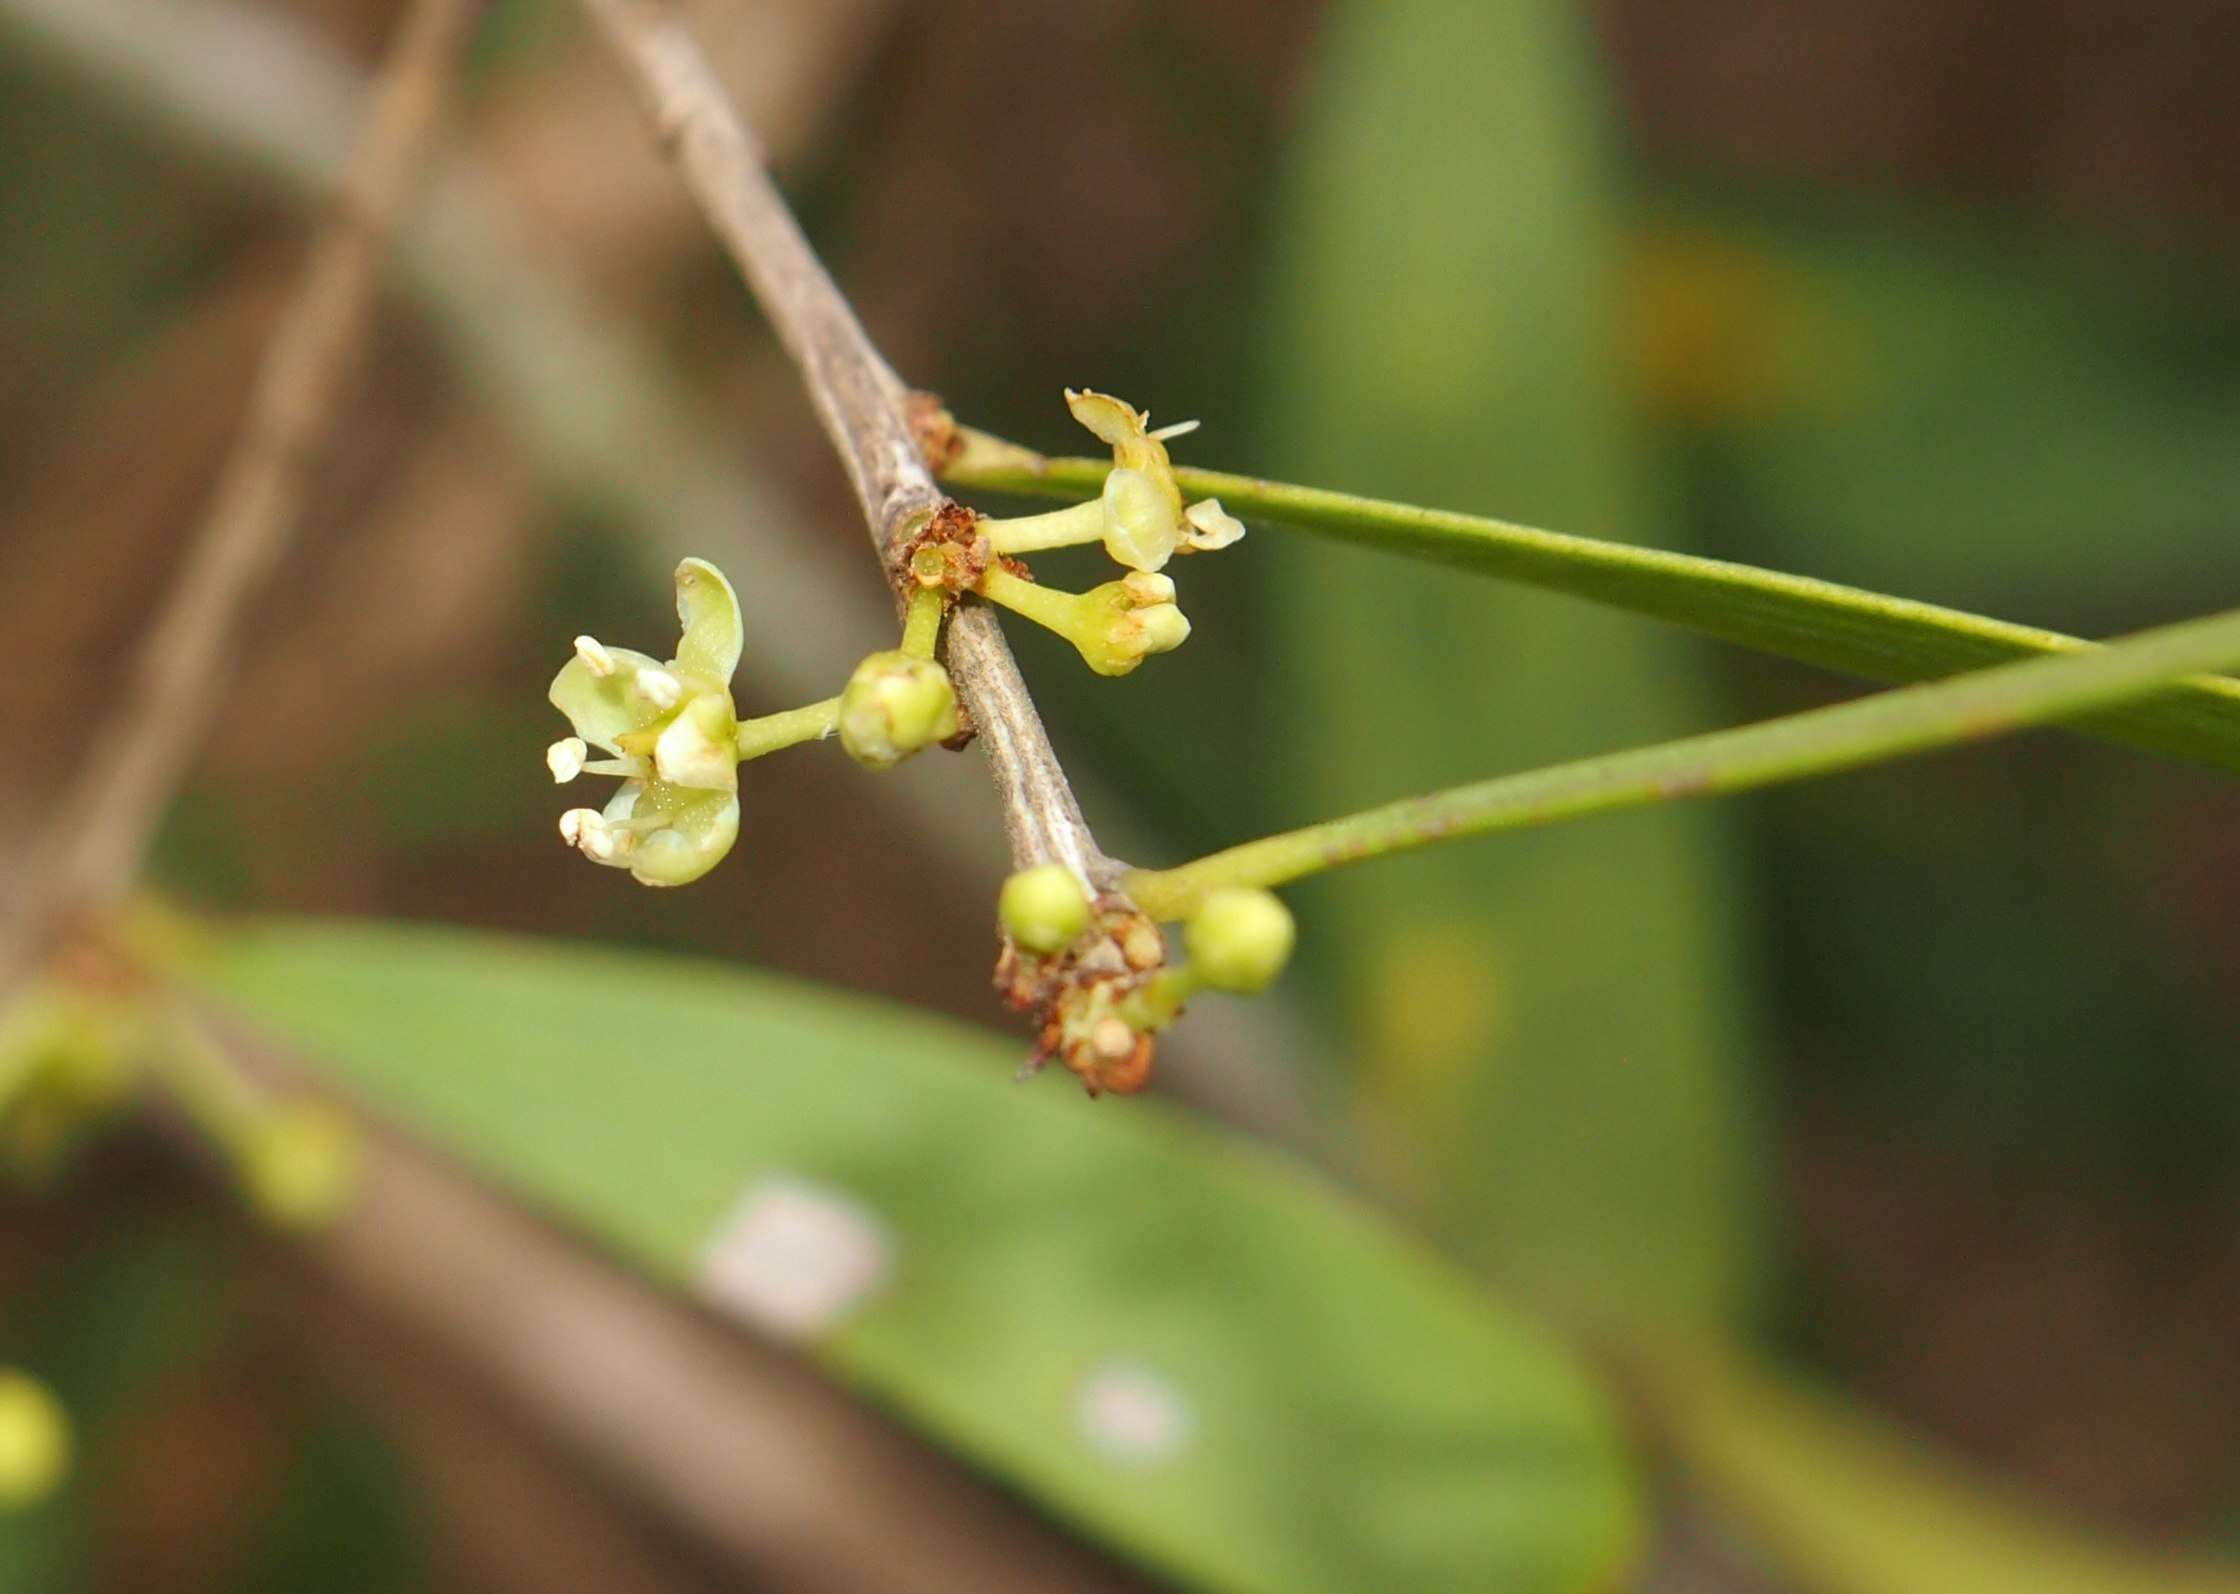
(1849, 1504)
(1359, 1414)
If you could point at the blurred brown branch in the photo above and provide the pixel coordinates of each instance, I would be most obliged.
(87, 851)
(739, 1443)
(858, 398)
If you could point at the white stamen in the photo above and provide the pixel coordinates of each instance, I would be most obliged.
(1178, 429)
(595, 656)
(660, 688)
(587, 830)
(565, 759)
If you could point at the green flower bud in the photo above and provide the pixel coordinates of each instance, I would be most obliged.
(1239, 939)
(65, 1062)
(67, 1047)
(35, 1441)
(1143, 618)
(1114, 627)
(894, 706)
(1045, 909)
(302, 1164)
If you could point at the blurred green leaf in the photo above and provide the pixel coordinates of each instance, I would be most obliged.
(1850, 1505)
(1958, 405)
(350, 1517)
(1347, 1412)
(1552, 1033)
(105, 1337)
(1819, 622)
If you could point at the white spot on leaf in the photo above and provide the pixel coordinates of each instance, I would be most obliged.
(792, 1257)
(1133, 1415)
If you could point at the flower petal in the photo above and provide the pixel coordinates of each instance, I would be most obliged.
(624, 803)
(708, 610)
(1141, 528)
(602, 708)
(1123, 426)
(701, 827)
(1115, 421)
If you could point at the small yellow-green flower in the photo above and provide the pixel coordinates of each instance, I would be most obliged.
(302, 1163)
(672, 731)
(35, 1441)
(1140, 516)
(1145, 518)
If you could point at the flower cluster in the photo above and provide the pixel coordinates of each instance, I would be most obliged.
(1095, 971)
(1097, 975)
(1141, 521)
(672, 734)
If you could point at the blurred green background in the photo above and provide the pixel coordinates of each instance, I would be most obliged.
(1917, 1085)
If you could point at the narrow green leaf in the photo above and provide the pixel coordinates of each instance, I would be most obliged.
(1894, 724)
(1842, 628)
(1849, 1505)
(1549, 1041)
(1310, 1400)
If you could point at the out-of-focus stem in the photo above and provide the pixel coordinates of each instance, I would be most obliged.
(86, 854)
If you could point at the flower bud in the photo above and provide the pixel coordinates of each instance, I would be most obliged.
(895, 705)
(1128, 620)
(67, 1049)
(1044, 909)
(1239, 939)
(35, 1441)
(301, 1164)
